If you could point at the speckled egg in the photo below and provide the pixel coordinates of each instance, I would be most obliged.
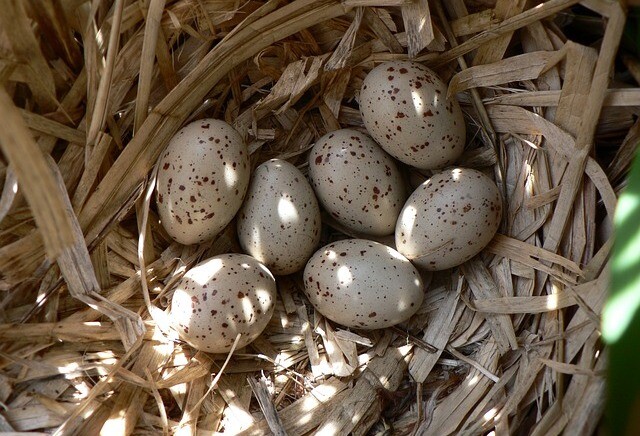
(279, 222)
(202, 180)
(357, 182)
(405, 108)
(363, 284)
(449, 219)
(221, 297)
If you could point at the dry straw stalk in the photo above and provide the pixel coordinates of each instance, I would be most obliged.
(92, 91)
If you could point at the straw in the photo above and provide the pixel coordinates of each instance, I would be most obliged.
(91, 92)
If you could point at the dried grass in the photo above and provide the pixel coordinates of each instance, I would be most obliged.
(91, 93)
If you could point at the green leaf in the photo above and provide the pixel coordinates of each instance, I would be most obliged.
(621, 314)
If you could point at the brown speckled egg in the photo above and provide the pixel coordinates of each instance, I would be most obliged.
(221, 297)
(449, 219)
(357, 182)
(202, 179)
(363, 284)
(279, 222)
(405, 108)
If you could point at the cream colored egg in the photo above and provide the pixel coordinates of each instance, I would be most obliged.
(363, 284)
(202, 179)
(405, 108)
(279, 223)
(221, 297)
(357, 182)
(449, 219)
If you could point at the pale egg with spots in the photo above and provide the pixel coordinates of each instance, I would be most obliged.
(203, 176)
(405, 108)
(363, 284)
(279, 222)
(449, 219)
(222, 297)
(357, 182)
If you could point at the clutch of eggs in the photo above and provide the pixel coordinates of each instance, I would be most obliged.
(205, 172)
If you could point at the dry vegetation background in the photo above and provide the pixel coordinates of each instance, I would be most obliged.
(93, 90)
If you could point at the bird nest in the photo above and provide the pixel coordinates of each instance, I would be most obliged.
(507, 342)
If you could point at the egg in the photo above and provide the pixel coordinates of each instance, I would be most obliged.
(362, 284)
(221, 297)
(203, 176)
(449, 219)
(279, 222)
(357, 182)
(404, 107)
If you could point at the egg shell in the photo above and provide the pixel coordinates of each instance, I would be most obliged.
(221, 297)
(449, 219)
(202, 179)
(357, 182)
(363, 284)
(404, 107)
(279, 222)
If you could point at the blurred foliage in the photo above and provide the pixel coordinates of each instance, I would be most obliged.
(621, 314)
